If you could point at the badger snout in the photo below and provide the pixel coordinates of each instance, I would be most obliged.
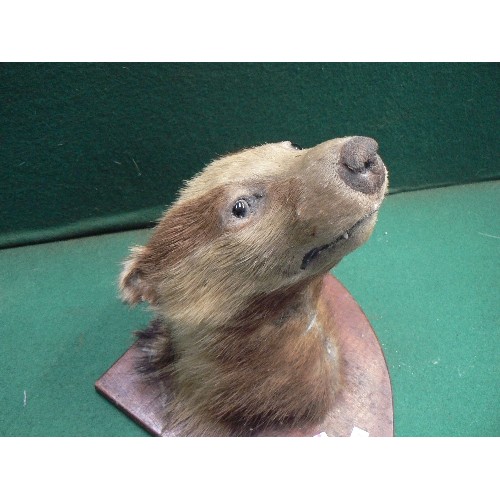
(360, 167)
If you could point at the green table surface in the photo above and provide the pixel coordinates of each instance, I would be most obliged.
(428, 280)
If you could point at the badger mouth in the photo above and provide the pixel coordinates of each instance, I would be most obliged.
(313, 254)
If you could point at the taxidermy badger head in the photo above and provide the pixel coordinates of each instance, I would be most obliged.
(234, 270)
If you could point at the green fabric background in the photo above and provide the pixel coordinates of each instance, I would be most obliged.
(427, 280)
(90, 148)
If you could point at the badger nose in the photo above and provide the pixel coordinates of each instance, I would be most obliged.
(359, 154)
(360, 167)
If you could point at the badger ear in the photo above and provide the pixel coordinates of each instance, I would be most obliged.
(134, 287)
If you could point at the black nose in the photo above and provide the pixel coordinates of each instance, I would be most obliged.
(360, 166)
(359, 153)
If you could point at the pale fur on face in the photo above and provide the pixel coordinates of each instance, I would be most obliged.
(303, 204)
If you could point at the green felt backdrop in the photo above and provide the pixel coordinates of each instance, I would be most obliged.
(87, 148)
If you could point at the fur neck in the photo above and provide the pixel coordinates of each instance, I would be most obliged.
(275, 363)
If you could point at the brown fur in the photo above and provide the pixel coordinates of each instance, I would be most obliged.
(242, 331)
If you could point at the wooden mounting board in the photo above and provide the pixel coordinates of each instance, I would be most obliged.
(365, 401)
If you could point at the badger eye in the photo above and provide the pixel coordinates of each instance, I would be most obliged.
(295, 146)
(240, 209)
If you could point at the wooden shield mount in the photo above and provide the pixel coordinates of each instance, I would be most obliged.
(364, 405)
